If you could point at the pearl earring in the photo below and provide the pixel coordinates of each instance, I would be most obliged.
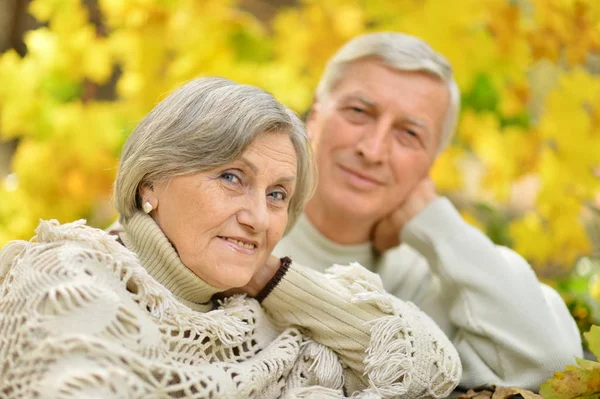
(147, 207)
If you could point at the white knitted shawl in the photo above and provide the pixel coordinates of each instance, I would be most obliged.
(81, 317)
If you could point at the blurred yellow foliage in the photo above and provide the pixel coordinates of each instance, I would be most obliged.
(530, 107)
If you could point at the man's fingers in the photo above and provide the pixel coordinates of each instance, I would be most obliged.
(385, 236)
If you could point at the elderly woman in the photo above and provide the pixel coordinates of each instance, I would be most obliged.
(207, 185)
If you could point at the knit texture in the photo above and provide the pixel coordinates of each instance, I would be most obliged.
(507, 327)
(83, 316)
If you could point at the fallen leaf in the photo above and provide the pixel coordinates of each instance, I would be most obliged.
(511, 392)
(580, 381)
(493, 392)
(473, 394)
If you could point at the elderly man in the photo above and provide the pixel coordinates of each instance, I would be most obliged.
(385, 108)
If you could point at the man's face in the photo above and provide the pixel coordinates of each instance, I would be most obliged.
(375, 137)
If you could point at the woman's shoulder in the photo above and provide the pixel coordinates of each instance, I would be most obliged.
(51, 231)
(53, 237)
(61, 247)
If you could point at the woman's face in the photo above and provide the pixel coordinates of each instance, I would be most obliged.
(225, 222)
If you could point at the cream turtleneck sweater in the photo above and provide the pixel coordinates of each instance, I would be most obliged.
(82, 315)
(508, 328)
(142, 236)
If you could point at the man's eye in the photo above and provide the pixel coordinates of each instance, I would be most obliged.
(357, 115)
(408, 138)
(230, 177)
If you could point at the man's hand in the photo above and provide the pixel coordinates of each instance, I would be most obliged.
(386, 233)
(262, 276)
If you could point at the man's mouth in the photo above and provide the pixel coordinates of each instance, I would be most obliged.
(362, 176)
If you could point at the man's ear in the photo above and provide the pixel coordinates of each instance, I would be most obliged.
(311, 120)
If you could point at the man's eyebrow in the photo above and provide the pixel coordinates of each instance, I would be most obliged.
(363, 99)
(410, 119)
(416, 121)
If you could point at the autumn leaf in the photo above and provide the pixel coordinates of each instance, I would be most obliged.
(493, 392)
(593, 339)
(478, 393)
(510, 392)
(581, 381)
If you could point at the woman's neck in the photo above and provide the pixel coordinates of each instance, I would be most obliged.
(143, 236)
(339, 228)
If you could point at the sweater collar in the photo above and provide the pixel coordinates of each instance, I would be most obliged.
(338, 253)
(144, 237)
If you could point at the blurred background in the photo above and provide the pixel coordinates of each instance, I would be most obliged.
(77, 75)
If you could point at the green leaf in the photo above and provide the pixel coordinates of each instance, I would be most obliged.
(496, 224)
(522, 120)
(62, 88)
(250, 46)
(483, 95)
(593, 339)
(586, 364)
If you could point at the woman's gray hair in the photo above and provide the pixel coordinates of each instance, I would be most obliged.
(400, 52)
(203, 125)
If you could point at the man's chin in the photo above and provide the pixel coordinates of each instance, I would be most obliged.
(359, 207)
(347, 203)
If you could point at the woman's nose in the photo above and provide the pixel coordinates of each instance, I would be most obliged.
(254, 213)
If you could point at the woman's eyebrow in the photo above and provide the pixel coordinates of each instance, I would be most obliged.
(286, 179)
(254, 170)
(250, 165)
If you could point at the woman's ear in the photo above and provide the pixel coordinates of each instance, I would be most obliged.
(147, 194)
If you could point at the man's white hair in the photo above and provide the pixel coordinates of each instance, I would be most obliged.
(400, 52)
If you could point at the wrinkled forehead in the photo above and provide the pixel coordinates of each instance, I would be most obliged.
(370, 80)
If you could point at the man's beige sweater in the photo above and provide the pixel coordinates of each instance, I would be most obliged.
(508, 328)
(83, 316)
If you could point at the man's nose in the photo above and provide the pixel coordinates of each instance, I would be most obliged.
(255, 213)
(372, 146)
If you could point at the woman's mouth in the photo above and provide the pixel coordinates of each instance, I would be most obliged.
(240, 244)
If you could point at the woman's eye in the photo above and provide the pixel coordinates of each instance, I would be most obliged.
(411, 133)
(278, 195)
(230, 177)
(357, 110)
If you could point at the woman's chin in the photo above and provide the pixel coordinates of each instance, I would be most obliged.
(226, 274)
(233, 277)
